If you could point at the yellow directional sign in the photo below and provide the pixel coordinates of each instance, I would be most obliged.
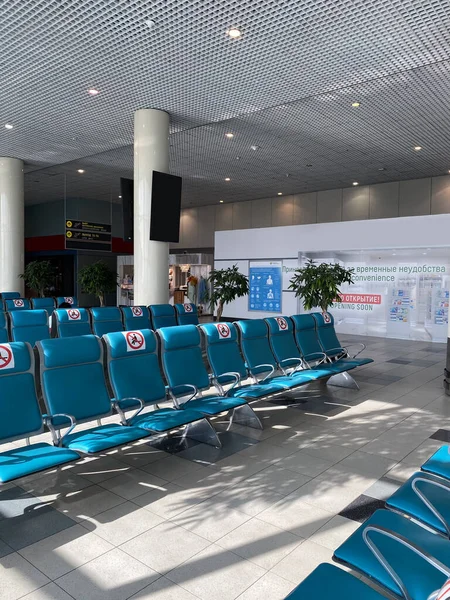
(69, 224)
(69, 234)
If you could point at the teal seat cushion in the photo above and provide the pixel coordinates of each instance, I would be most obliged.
(213, 405)
(103, 437)
(165, 419)
(439, 463)
(328, 582)
(407, 501)
(419, 577)
(355, 362)
(31, 459)
(256, 390)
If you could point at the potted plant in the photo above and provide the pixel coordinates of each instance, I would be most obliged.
(226, 285)
(98, 279)
(318, 284)
(38, 276)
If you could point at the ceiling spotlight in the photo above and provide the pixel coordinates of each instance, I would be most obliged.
(448, 170)
(229, 135)
(355, 183)
(234, 32)
(356, 104)
(227, 179)
(280, 193)
(93, 92)
(221, 201)
(423, 252)
(417, 148)
(120, 196)
(150, 23)
(81, 171)
(8, 126)
(254, 147)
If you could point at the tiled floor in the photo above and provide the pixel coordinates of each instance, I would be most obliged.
(170, 520)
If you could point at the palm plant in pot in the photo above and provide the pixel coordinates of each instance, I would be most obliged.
(318, 285)
(226, 286)
(38, 276)
(98, 279)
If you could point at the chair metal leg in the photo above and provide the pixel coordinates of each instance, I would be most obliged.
(245, 415)
(202, 431)
(343, 380)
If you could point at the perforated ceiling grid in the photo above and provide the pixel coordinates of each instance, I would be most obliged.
(286, 86)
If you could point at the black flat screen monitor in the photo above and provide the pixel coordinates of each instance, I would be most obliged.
(126, 191)
(166, 206)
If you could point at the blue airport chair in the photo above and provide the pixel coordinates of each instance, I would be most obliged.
(72, 300)
(328, 582)
(186, 314)
(403, 557)
(71, 322)
(227, 364)
(439, 463)
(163, 315)
(29, 326)
(74, 391)
(3, 328)
(17, 304)
(47, 304)
(21, 418)
(182, 361)
(330, 343)
(137, 383)
(106, 319)
(9, 295)
(136, 317)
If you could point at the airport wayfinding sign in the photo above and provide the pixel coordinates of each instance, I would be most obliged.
(84, 235)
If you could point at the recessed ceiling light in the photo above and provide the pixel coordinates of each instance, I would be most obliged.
(448, 170)
(8, 126)
(355, 183)
(229, 135)
(280, 193)
(120, 196)
(93, 92)
(423, 252)
(417, 148)
(150, 23)
(227, 179)
(234, 32)
(221, 201)
(254, 147)
(356, 104)
(393, 254)
(81, 171)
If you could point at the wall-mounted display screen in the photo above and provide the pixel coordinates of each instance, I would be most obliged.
(166, 206)
(126, 191)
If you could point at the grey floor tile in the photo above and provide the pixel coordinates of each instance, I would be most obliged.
(19, 577)
(382, 489)
(205, 454)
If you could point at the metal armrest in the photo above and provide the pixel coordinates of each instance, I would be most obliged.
(271, 371)
(173, 394)
(237, 380)
(323, 358)
(341, 348)
(299, 362)
(404, 542)
(121, 411)
(427, 502)
(363, 347)
(55, 433)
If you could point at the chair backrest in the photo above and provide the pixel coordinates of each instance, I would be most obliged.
(282, 342)
(71, 322)
(47, 304)
(19, 407)
(133, 366)
(326, 333)
(136, 317)
(163, 315)
(72, 377)
(222, 350)
(186, 314)
(9, 295)
(255, 345)
(29, 326)
(106, 320)
(306, 335)
(72, 300)
(3, 328)
(181, 357)
(17, 304)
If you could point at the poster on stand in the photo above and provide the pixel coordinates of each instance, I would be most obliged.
(265, 281)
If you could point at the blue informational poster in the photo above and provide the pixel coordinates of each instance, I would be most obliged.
(265, 286)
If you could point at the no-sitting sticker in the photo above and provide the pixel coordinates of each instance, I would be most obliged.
(135, 340)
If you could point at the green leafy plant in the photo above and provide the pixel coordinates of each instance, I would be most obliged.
(98, 279)
(38, 276)
(226, 285)
(318, 285)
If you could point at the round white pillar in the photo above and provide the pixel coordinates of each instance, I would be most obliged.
(151, 259)
(12, 235)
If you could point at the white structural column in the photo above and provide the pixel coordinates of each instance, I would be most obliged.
(151, 259)
(12, 235)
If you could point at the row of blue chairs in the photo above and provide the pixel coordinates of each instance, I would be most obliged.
(74, 390)
(13, 302)
(403, 548)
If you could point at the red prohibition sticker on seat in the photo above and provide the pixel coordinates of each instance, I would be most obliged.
(69, 300)
(282, 323)
(18, 303)
(444, 592)
(73, 314)
(6, 357)
(137, 311)
(135, 340)
(326, 317)
(188, 308)
(224, 331)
